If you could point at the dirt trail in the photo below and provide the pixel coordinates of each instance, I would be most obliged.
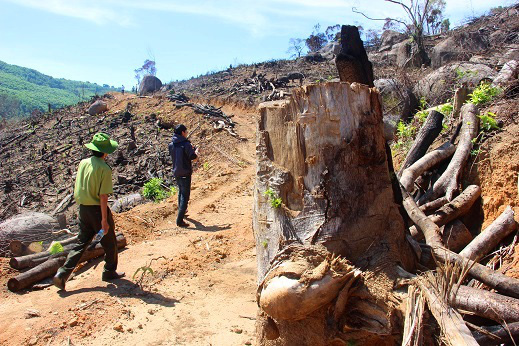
(201, 293)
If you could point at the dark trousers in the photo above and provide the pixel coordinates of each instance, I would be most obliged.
(89, 225)
(184, 191)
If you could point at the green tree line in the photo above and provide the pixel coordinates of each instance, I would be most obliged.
(23, 90)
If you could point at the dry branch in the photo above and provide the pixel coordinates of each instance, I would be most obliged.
(491, 236)
(501, 334)
(448, 182)
(452, 210)
(436, 156)
(486, 304)
(414, 318)
(498, 281)
(425, 137)
(434, 205)
(452, 325)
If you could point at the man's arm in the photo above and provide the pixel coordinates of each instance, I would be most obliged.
(104, 212)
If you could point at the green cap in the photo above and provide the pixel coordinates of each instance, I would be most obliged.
(101, 142)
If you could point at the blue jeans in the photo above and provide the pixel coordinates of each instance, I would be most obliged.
(184, 190)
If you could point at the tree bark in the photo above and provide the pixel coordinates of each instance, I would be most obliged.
(352, 61)
(498, 281)
(452, 210)
(501, 333)
(434, 205)
(455, 235)
(322, 153)
(52, 264)
(428, 161)
(425, 137)
(448, 182)
(486, 304)
(451, 323)
(30, 261)
(491, 236)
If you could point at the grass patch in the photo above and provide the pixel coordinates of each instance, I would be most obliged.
(156, 191)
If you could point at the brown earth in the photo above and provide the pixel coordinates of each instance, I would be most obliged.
(202, 290)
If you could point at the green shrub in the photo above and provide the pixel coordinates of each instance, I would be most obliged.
(488, 122)
(484, 93)
(154, 189)
(274, 199)
(445, 109)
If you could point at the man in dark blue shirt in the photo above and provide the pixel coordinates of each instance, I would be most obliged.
(182, 153)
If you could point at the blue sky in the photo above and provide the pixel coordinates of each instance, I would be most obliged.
(104, 41)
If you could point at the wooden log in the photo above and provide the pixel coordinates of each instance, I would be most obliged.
(452, 210)
(486, 304)
(51, 265)
(501, 334)
(425, 137)
(33, 260)
(448, 183)
(498, 281)
(434, 205)
(451, 323)
(491, 236)
(455, 235)
(413, 325)
(425, 163)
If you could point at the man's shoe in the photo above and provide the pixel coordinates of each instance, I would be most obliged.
(59, 281)
(109, 276)
(182, 224)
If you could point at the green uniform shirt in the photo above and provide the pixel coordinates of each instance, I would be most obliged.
(94, 178)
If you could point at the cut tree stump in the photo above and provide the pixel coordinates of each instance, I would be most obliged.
(491, 236)
(322, 153)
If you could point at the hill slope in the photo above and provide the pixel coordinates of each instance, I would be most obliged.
(23, 90)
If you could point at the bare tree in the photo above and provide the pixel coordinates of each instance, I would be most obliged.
(296, 47)
(148, 68)
(419, 13)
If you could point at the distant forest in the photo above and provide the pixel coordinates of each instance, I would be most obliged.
(23, 90)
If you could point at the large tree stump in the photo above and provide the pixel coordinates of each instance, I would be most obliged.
(322, 152)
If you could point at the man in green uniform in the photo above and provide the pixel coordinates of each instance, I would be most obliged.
(93, 185)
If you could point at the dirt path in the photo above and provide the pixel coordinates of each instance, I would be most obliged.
(202, 291)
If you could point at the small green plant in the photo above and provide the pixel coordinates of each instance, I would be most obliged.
(55, 248)
(275, 200)
(405, 131)
(155, 190)
(488, 122)
(264, 243)
(421, 116)
(145, 269)
(484, 93)
(206, 166)
(460, 73)
(423, 103)
(475, 152)
(445, 109)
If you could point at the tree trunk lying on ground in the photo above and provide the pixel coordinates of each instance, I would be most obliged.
(425, 137)
(452, 210)
(491, 236)
(502, 283)
(501, 334)
(448, 183)
(425, 163)
(30, 261)
(52, 264)
(486, 304)
(434, 205)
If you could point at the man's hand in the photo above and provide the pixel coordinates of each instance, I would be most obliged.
(104, 212)
(105, 226)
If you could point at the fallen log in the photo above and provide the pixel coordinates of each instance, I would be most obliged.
(33, 260)
(452, 210)
(448, 182)
(455, 235)
(491, 278)
(486, 304)
(52, 264)
(434, 205)
(428, 161)
(425, 137)
(491, 236)
(499, 334)
(451, 323)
